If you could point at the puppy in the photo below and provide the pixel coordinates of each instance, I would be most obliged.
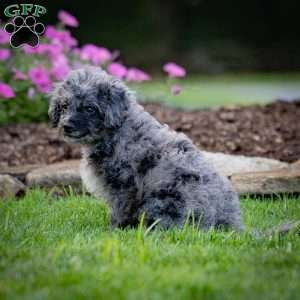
(139, 166)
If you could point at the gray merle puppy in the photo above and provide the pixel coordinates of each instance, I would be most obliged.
(137, 164)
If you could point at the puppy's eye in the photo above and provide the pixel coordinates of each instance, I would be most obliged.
(89, 109)
(64, 106)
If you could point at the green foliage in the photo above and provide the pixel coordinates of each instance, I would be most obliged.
(22, 110)
(64, 249)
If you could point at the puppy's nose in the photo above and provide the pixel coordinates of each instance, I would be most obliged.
(69, 127)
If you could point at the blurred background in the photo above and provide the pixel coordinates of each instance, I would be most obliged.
(206, 36)
(235, 53)
(252, 46)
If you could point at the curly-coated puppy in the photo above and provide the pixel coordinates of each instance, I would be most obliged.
(137, 164)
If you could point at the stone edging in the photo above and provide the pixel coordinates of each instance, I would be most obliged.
(249, 175)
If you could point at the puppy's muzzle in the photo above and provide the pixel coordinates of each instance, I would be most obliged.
(69, 128)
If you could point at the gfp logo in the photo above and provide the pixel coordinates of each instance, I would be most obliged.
(23, 28)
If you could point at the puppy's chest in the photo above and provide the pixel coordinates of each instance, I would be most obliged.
(108, 178)
(92, 180)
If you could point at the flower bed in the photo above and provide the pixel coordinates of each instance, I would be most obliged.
(27, 73)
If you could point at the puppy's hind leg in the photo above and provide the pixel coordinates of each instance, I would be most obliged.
(230, 216)
(166, 212)
(123, 212)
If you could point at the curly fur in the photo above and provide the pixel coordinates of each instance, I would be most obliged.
(137, 164)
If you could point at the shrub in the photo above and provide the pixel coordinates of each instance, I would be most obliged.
(28, 73)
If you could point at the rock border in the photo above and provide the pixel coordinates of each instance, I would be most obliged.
(249, 175)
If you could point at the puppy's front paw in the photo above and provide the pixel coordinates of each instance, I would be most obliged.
(114, 223)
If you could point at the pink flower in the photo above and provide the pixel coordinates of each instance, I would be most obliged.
(43, 48)
(117, 70)
(44, 87)
(4, 37)
(173, 70)
(29, 50)
(59, 71)
(52, 50)
(18, 75)
(4, 54)
(67, 19)
(134, 74)
(68, 40)
(6, 91)
(51, 32)
(94, 54)
(38, 74)
(60, 60)
(60, 37)
(39, 49)
(40, 78)
(176, 89)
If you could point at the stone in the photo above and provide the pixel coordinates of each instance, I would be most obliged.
(59, 174)
(296, 164)
(249, 175)
(19, 172)
(10, 187)
(285, 180)
(228, 165)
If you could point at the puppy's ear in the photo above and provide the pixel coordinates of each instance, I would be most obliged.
(116, 106)
(54, 110)
(54, 113)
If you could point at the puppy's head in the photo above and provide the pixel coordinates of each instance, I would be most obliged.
(87, 103)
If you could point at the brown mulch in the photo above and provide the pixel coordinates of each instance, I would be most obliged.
(271, 131)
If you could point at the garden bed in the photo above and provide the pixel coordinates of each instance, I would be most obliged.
(271, 131)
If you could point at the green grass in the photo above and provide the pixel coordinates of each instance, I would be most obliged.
(64, 249)
(211, 91)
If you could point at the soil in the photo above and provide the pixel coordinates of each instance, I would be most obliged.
(271, 131)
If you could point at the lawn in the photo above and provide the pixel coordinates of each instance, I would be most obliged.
(211, 91)
(63, 248)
